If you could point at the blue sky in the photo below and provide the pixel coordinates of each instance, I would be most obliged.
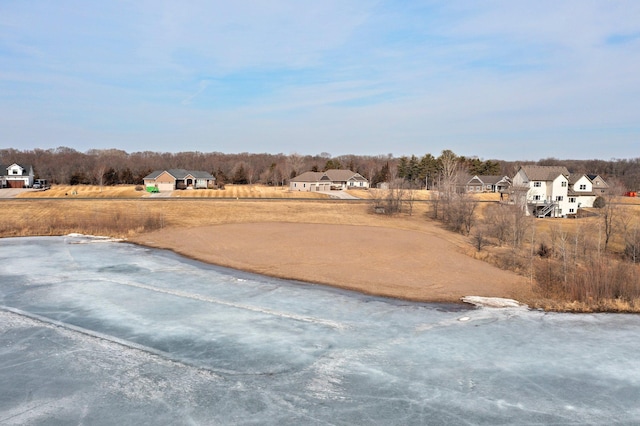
(495, 79)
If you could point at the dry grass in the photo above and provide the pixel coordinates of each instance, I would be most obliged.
(86, 191)
(122, 217)
(129, 191)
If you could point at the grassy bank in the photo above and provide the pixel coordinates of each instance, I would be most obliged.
(575, 275)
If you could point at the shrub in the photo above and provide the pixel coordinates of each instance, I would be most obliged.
(599, 203)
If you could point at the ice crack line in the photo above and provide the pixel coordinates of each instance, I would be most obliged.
(199, 297)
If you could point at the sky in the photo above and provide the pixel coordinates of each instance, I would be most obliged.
(496, 79)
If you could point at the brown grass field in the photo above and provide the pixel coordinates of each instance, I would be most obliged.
(129, 191)
(274, 232)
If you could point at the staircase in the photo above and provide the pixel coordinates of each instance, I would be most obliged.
(545, 210)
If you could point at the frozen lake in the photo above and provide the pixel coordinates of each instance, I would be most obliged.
(95, 332)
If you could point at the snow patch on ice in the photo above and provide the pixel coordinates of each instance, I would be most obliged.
(88, 239)
(493, 302)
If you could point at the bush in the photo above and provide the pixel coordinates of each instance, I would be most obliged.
(599, 203)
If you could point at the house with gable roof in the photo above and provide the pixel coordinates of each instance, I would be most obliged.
(171, 179)
(326, 181)
(487, 183)
(16, 176)
(551, 191)
(543, 190)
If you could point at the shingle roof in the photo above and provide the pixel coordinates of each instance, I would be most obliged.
(343, 175)
(544, 173)
(491, 179)
(25, 169)
(308, 177)
(180, 174)
(333, 175)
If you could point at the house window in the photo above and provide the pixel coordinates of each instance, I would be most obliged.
(14, 172)
(559, 198)
(563, 184)
(537, 184)
(478, 189)
(536, 198)
(572, 211)
(572, 199)
(583, 187)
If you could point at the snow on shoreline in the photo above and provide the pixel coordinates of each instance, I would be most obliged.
(492, 302)
(87, 239)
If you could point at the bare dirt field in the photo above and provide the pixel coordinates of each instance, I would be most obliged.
(407, 264)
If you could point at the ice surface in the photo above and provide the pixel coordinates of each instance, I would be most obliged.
(113, 333)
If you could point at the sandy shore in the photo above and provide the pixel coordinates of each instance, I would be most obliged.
(374, 260)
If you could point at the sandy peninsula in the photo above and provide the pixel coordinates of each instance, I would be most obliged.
(380, 261)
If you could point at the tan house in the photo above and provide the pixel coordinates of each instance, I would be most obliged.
(169, 180)
(334, 179)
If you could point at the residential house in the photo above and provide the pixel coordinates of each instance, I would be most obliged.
(16, 176)
(543, 191)
(168, 180)
(551, 191)
(600, 187)
(326, 181)
(486, 183)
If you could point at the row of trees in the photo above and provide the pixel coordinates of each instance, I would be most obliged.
(65, 165)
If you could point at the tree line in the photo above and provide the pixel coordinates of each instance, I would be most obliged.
(68, 166)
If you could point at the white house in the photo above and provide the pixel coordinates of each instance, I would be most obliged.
(326, 181)
(16, 176)
(550, 191)
(544, 190)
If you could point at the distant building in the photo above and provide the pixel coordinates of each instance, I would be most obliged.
(169, 180)
(486, 183)
(551, 191)
(326, 181)
(16, 176)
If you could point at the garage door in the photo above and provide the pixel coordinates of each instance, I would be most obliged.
(165, 186)
(15, 184)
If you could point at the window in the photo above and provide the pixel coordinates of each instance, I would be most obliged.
(536, 198)
(583, 187)
(478, 188)
(559, 198)
(14, 172)
(572, 199)
(563, 184)
(572, 211)
(537, 184)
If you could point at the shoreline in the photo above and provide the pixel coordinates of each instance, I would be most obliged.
(377, 261)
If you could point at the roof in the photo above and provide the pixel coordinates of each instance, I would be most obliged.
(593, 178)
(343, 175)
(544, 173)
(488, 179)
(25, 169)
(180, 174)
(308, 177)
(333, 175)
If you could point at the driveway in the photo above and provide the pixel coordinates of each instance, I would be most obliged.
(13, 192)
(343, 195)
